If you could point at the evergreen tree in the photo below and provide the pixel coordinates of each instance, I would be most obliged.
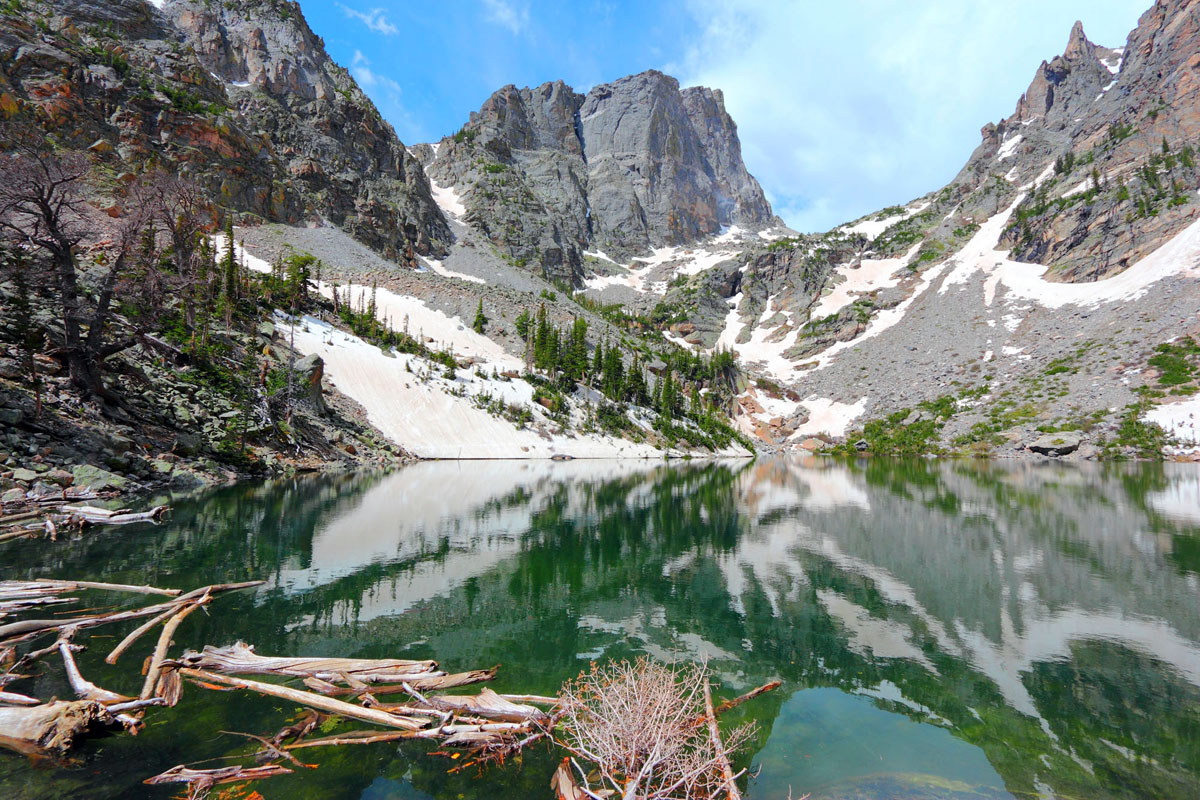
(481, 321)
(635, 386)
(523, 322)
(229, 272)
(613, 384)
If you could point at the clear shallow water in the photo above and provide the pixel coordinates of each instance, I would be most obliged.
(941, 630)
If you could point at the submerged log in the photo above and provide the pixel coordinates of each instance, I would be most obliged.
(34, 627)
(714, 736)
(14, 699)
(486, 704)
(164, 642)
(435, 682)
(53, 727)
(83, 688)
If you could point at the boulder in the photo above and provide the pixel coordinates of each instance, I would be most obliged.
(1057, 444)
(310, 370)
(13, 496)
(91, 477)
(24, 475)
(60, 477)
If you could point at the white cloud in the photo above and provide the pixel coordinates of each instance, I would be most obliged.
(375, 19)
(507, 15)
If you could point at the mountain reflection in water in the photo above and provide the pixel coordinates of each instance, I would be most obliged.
(941, 629)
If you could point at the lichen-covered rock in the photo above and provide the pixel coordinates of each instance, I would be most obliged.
(1061, 443)
(96, 479)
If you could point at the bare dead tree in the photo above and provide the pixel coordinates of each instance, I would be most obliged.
(641, 727)
(186, 215)
(44, 207)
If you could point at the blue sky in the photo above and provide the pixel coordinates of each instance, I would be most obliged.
(843, 107)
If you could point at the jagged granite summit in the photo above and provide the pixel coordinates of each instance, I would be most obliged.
(547, 173)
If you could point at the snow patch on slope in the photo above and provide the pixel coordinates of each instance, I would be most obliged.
(447, 200)
(1181, 420)
(871, 228)
(870, 275)
(829, 416)
(1009, 147)
(1178, 257)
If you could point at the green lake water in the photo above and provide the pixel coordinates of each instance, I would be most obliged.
(942, 630)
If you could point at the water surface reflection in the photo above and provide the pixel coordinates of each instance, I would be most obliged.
(942, 630)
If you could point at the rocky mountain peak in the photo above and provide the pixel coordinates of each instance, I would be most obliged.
(1078, 46)
(1064, 86)
(633, 164)
(266, 43)
(531, 119)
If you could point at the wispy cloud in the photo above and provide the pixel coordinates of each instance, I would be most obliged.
(375, 19)
(507, 15)
(369, 79)
(386, 94)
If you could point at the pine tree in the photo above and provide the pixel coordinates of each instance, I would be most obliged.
(635, 386)
(480, 323)
(523, 322)
(229, 272)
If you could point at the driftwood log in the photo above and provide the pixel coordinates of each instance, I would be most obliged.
(240, 658)
(201, 781)
(323, 674)
(53, 727)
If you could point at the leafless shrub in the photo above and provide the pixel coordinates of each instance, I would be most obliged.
(640, 727)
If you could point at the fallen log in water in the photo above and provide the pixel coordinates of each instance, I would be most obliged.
(53, 726)
(71, 586)
(201, 781)
(714, 735)
(12, 698)
(304, 698)
(486, 704)
(25, 629)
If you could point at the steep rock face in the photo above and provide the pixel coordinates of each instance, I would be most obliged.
(648, 177)
(337, 146)
(740, 199)
(637, 163)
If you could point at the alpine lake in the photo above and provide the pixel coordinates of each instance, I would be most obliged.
(941, 629)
